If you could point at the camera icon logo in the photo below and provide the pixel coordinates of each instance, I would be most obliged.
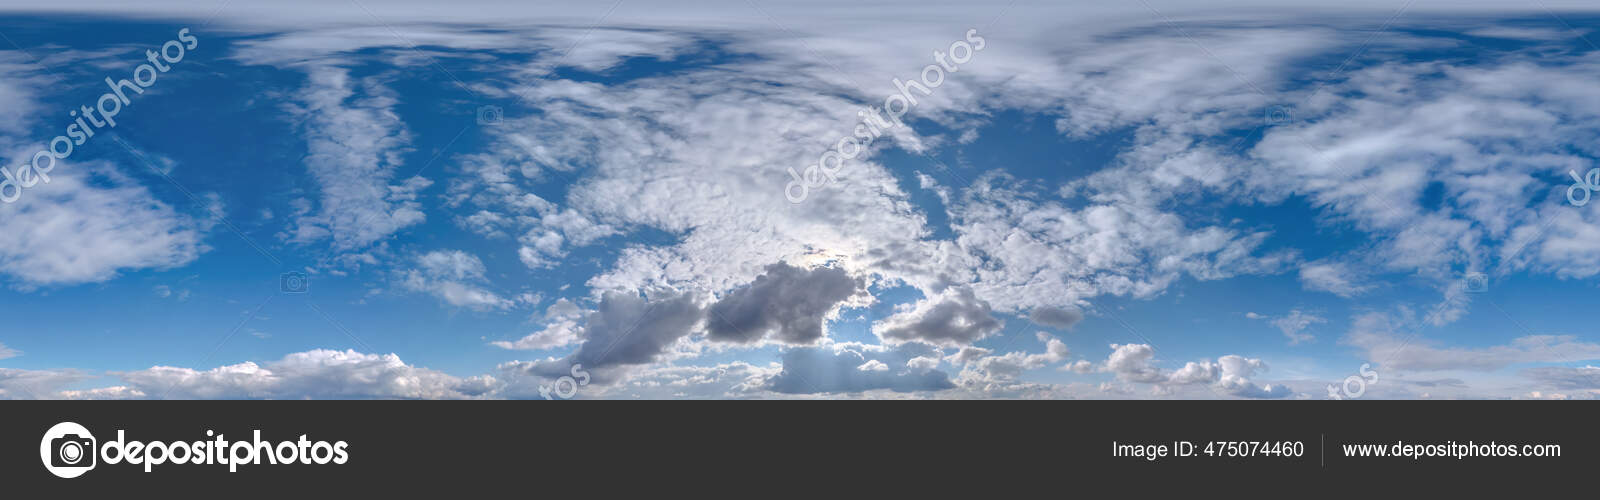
(68, 450)
(1279, 114)
(1476, 283)
(490, 115)
(293, 282)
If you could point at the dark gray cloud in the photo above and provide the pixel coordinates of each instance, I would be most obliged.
(1056, 317)
(955, 317)
(625, 329)
(788, 303)
(628, 329)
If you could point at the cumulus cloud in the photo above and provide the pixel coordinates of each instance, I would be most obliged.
(557, 334)
(321, 373)
(967, 354)
(1234, 378)
(988, 372)
(1131, 363)
(955, 317)
(787, 303)
(1230, 374)
(873, 365)
(1201, 372)
(561, 329)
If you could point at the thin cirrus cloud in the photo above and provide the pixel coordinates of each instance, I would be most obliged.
(454, 277)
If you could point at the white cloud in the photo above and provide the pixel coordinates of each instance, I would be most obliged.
(1235, 378)
(733, 380)
(1333, 277)
(1294, 325)
(1393, 342)
(1230, 374)
(1485, 137)
(1042, 253)
(16, 383)
(1202, 372)
(1131, 363)
(561, 329)
(923, 363)
(873, 365)
(558, 334)
(93, 220)
(104, 393)
(700, 156)
(455, 277)
(323, 374)
(355, 140)
(75, 231)
(1002, 371)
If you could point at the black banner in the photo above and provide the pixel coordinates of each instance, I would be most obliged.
(472, 449)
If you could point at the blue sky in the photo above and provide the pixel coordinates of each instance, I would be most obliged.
(1161, 202)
